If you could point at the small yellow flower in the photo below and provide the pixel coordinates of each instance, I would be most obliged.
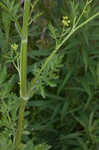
(65, 17)
(68, 21)
(14, 46)
(65, 21)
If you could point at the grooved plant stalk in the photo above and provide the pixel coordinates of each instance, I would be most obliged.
(23, 73)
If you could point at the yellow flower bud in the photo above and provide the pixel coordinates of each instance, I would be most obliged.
(65, 21)
(14, 46)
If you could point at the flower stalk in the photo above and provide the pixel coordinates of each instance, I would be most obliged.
(73, 30)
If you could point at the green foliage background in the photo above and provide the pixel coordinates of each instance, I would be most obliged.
(64, 113)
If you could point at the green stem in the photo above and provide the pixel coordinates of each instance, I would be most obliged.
(82, 12)
(20, 125)
(23, 74)
(23, 58)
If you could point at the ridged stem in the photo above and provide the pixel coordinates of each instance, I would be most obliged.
(23, 74)
(17, 145)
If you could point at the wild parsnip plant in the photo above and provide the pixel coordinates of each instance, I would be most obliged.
(47, 72)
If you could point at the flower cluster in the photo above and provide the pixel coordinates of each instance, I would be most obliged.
(14, 46)
(65, 21)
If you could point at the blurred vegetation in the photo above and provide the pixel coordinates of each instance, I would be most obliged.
(64, 113)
